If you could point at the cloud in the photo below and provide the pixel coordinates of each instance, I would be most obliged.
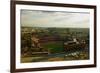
(33, 18)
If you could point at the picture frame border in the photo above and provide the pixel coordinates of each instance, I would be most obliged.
(13, 35)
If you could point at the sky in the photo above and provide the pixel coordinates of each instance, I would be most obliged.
(63, 19)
